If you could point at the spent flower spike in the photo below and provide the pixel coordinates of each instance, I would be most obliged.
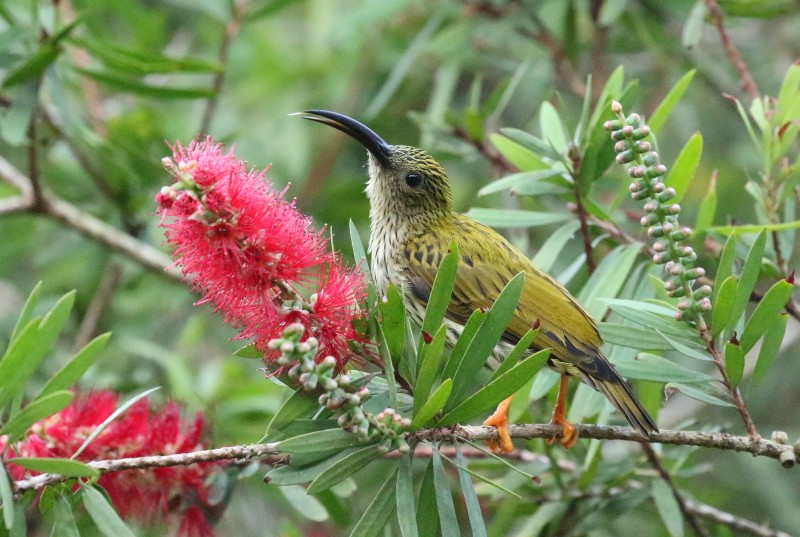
(252, 254)
(148, 496)
(661, 218)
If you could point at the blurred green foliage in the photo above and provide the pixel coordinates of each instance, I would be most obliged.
(105, 84)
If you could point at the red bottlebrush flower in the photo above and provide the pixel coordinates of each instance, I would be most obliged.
(148, 495)
(250, 251)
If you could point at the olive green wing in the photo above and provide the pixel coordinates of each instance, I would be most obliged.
(487, 262)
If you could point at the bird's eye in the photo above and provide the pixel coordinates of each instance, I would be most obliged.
(413, 179)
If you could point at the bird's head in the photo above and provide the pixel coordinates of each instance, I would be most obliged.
(403, 180)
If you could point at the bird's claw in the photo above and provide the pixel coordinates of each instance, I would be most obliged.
(503, 443)
(569, 436)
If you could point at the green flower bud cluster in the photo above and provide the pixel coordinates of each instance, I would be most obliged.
(339, 393)
(661, 216)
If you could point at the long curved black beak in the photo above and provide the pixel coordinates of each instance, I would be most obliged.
(355, 129)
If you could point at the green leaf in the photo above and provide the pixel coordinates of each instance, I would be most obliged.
(31, 346)
(298, 405)
(498, 389)
(105, 518)
(7, 498)
(552, 127)
(441, 291)
(470, 497)
(766, 310)
(430, 359)
(708, 207)
(344, 468)
(434, 404)
(294, 473)
(608, 279)
(144, 63)
(788, 96)
(519, 179)
(393, 322)
(734, 363)
(550, 251)
(723, 304)
(73, 370)
(444, 500)
(632, 337)
(53, 465)
(748, 279)
(34, 65)
(378, 511)
(699, 394)
(359, 254)
(685, 167)
(664, 323)
(657, 369)
(319, 441)
(725, 267)
(503, 218)
(665, 108)
(63, 519)
(487, 336)
(770, 346)
(131, 85)
(249, 352)
(38, 409)
(388, 368)
(404, 492)
(521, 157)
(686, 347)
(27, 312)
(305, 505)
(668, 509)
(693, 27)
(463, 343)
(114, 415)
(427, 513)
(520, 349)
(755, 228)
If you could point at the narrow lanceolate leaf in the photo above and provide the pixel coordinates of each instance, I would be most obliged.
(607, 280)
(27, 312)
(294, 474)
(725, 267)
(657, 369)
(487, 337)
(748, 279)
(63, 519)
(430, 359)
(519, 350)
(444, 500)
(343, 469)
(734, 363)
(770, 346)
(7, 498)
(773, 303)
(441, 291)
(689, 348)
(664, 109)
(724, 298)
(378, 511)
(393, 321)
(298, 405)
(319, 441)
(632, 337)
(668, 508)
(695, 392)
(470, 498)
(685, 166)
(518, 179)
(404, 492)
(359, 254)
(550, 251)
(36, 410)
(521, 157)
(103, 514)
(73, 370)
(498, 389)
(503, 218)
(427, 513)
(65, 467)
(131, 85)
(708, 207)
(434, 404)
(464, 341)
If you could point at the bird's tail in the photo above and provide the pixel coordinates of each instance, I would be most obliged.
(620, 394)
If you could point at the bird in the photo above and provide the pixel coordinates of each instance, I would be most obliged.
(412, 224)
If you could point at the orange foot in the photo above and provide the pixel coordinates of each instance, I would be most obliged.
(569, 436)
(499, 420)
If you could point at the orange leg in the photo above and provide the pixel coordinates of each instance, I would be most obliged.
(568, 436)
(499, 420)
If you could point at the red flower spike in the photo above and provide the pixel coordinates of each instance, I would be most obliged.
(147, 496)
(253, 255)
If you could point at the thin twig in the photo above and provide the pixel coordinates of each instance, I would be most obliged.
(745, 78)
(231, 30)
(101, 299)
(580, 210)
(688, 515)
(89, 226)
